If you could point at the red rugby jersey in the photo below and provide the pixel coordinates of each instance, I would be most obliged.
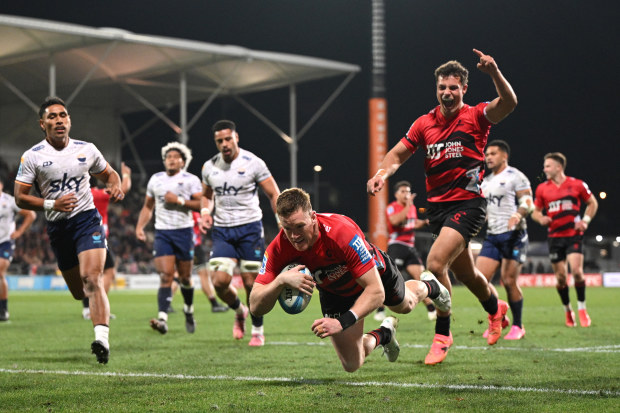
(339, 256)
(101, 199)
(454, 149)
(562, 204)
(403, 233)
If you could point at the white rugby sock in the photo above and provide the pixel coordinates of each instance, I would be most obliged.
(101, 333)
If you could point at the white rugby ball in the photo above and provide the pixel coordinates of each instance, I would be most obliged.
(291, 299)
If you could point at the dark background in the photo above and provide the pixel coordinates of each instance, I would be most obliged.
(559, 56)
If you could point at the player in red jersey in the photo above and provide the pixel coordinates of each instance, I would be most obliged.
(353, 278)
(453, 136)
(561, 197)
(101, 199)
(402, 221)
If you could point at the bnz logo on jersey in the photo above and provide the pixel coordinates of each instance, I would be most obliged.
(358, 245)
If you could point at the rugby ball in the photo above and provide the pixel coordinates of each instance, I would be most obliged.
(291, 299)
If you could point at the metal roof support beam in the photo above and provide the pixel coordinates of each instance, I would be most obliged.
(19, 93)
(152, 108)
(183, 107)
(52, 76)
(144, 127)
(263, 118)
(212, 97)
(325, 105)
(91, 72)
(133, 150)
(292, 99)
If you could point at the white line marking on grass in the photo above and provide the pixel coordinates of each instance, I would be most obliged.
(595, 349)
(600, 392)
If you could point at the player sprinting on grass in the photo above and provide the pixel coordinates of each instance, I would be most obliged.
(353, 278)
(173, 194)
(453, 136)
(230, 182)
(9, 232)
(561, 197)
(509, 201)
(60, 168)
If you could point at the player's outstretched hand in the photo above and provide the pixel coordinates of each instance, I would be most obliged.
(326, 327)
(374, 185)
(487, 63)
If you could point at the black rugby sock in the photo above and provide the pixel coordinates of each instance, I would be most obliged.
(490, 305)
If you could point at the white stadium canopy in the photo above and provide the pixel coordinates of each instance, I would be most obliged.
(103, 73)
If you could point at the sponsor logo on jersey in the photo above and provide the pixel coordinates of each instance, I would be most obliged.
(357, 243)
(227, 189)
(47, 163)
(66, 183)
(332, 273)
(38, 148)
(264, 264)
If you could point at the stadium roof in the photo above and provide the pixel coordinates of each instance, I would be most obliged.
(114, 68)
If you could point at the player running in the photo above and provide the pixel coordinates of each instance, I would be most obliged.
(509, 201)
(173, 194)
(560, 197)
(230, 182)
(453, 136)
(60, 168)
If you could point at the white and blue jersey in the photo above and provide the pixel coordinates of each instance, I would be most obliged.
(182, 184)
(8, 212)
(55, 173)
(500, 191)
(235, 188)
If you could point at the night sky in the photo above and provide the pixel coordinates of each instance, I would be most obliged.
(558, 55)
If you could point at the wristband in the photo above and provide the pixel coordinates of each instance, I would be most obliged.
(48, 204)
(180, 201)
(381, 173)
(205, 211)
(347, 319)
(587, 219)
(126, 176)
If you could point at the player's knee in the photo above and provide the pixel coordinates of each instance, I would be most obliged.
(222, 264)
(435, 265)
(250, 266)
(350, 366)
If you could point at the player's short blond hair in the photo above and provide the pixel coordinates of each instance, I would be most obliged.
(558, 157)
(290, 200)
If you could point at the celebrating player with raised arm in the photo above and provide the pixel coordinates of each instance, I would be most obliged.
(453, 136)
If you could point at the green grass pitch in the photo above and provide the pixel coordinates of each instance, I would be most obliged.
(46, 365)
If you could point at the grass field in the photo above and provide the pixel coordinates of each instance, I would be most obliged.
(46, 365)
